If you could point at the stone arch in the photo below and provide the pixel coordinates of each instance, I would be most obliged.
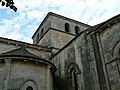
(67, 27)
(116, 50)
(77, 30)
(38, 36)
(114, 66)
(28, 84)
(71, 67)
(72, 72)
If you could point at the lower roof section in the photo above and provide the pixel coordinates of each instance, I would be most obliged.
(23, 54)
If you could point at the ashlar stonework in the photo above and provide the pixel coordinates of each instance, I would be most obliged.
(65, 55)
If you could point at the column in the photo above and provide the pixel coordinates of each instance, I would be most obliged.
(48, 79)
(8, 71)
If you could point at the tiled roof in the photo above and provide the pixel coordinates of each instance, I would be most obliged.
(24, 53)
(20, 52)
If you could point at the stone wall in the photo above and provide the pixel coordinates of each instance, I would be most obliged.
(45, 26)
(19, 74)
(58, 23)
(22, 72)
(110, 47)
(81, 53)
(55, 40)
(97, 56)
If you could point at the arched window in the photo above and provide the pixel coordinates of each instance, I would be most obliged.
(42, 31)
(72, 72)
(29, 88)
(74, 80)
(77, 29)
(67, 27)
(37, 36)
(113, 66)
(116, 51)
(29, 85)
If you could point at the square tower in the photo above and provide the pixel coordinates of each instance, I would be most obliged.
(56, 31)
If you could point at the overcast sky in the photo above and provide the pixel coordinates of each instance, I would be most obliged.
(22, 24)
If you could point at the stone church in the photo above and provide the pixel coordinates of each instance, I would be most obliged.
(65, 55)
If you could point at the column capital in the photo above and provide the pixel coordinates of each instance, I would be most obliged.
(8, 60)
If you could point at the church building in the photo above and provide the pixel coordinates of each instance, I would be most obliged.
(65, 55)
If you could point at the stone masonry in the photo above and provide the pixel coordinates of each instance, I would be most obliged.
(65, 55)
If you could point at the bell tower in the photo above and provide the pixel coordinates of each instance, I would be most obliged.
(55, 31)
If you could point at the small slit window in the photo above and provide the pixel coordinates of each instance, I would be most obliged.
(67, 27)
(77, 29)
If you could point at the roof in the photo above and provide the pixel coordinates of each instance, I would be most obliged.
(20, 52)
(23, 52)
(104, 24)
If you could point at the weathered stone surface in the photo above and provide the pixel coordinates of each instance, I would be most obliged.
(87, 61)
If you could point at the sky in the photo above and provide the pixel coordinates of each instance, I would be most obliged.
(22, 24)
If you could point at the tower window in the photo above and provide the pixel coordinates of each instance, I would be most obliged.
(29, 88)
(77, 29)
(67, 27)
(37, 36)
(42, 31)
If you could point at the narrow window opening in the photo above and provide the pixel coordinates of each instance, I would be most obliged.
(72, 72)
(42, 31)
(37, 36)
(29, 88)
(77, 30)
(74, 80)
(67, 27)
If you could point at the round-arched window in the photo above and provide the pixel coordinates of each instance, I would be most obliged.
(77, 29)
(67, 27)
(29, 85)
(42, 32)
(37, 36)
(29, 88)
